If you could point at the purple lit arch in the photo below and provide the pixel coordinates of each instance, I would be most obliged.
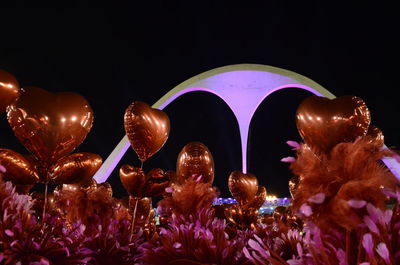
(243, 88)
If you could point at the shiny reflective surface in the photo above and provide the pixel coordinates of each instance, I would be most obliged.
(243, 187)
(293, 185)
(19, 169)
(376, 134)
(146, 128)
(133, 179)
(156, 182)
(195, 160)
(9, 89)
(324, 123)
(74, 168)
(50, 125)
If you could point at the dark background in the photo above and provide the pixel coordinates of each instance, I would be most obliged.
(114, 57)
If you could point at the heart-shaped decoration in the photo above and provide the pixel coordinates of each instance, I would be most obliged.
(324, 123)
(9, 89)
(195, 160)
(258, 199)
(243, 187)
(19, 169)
(74, 168)
(50, 125)
(133, 179)
(147, 129)
(156, 182)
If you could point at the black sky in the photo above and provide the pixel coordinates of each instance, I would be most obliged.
(114, 57)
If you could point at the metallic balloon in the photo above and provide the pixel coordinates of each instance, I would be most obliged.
(50, 125)
(293, 185)
(74, 168)
(258, 199)
(19, 169)
(243, 187)
(147, 129)
(195, 160)
(133, 179)
(376, 135)
(324, 123)
(156, 182)
(9, 90)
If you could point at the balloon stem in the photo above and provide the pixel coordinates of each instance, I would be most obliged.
(133, 217)
(141, 164)
(45, 202)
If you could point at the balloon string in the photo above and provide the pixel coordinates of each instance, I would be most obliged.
(45, 202)
(133, 217)
(141, 165)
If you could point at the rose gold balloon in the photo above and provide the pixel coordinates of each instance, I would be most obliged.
(50, 125)
(9, 90)
(147, 129)
(324, 123)
(19, 170)
(293, 185)
(243, 187)
(156, 182)
(133, 179)
(74, 168)
(195, 160)
(258, 200)
(376, 135)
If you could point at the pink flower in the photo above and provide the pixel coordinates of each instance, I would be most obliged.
(371, 225)
(383, 252)
(293, 144)
(317, 198)
(288, 159)
(2, 169)
(306, 210)
(368, 245)
(169, 189)
(357, 204)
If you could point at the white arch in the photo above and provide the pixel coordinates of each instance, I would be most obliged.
(243, 87)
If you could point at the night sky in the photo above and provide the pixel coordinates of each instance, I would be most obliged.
(114, 57)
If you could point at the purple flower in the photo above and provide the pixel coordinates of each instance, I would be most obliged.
(295, 145)
(371, 225)
(317, 198)
(383, 252)
(368, 245)
(306, 209)
(288, 159)
(2, 169)
(357, 204)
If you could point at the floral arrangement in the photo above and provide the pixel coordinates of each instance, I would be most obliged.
(345, 207)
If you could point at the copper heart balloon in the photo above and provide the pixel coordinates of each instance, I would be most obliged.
(156, 182)
(133, 179)
(195, 160)
(324, 123)
(376, 135)
(19, 170)
(293, 185)
(74, 168)
(9, 89)
(50, 125)
(147, 129)
(258, 199)
(243, 187)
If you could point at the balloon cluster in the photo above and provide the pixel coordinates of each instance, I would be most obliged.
(249, 196)
(50, 126)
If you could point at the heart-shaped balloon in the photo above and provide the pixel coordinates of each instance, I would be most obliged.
(293, 185)
(133, 179)
(9, 89)
(147, 129)
(19, 169)
(324, 123)
(195, 160)
(74, 168)
(258, 199)
(50, 125)
(376, 135)
(156, 182)
(243, 187)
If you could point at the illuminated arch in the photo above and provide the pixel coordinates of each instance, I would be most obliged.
(243, 88)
